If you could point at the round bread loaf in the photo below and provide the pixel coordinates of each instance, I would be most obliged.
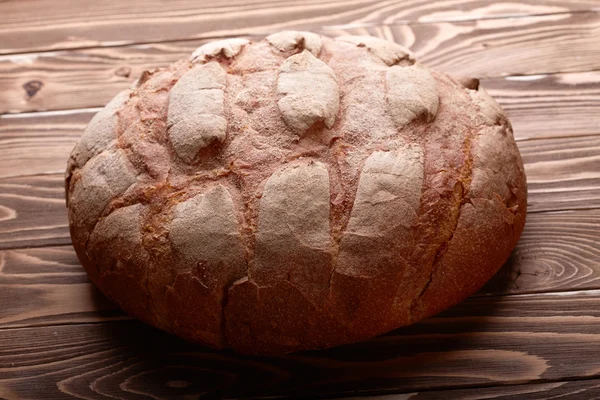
(295, 193)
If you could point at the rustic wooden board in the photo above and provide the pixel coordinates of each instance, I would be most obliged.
(41, 25)
(562, 173)
(557, 252)
(79, 78)
(541, 106)
(490, 48)
(37, 143)
(33, 212)
(584, 389)
(46, 286)
(526, 335)
(499, 47)
(490, 341)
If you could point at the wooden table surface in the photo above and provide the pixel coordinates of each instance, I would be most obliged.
(532, 333)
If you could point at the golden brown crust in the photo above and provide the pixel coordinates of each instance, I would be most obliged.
(295, 193)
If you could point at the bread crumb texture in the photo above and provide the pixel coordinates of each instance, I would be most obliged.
(295, 193)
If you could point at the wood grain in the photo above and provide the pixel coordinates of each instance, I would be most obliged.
(485, 341)
(40, 25)
(582, 389)
(39, 144)
(557, 252)
(33, 212)
(490, 48)
(533, 332)
(541, 106)
(46, 286)
(562, 173)
(499, 47)
(80, 78)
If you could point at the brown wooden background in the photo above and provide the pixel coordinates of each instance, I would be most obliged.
(532, 333)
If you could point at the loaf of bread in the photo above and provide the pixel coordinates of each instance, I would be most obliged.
(294, 193)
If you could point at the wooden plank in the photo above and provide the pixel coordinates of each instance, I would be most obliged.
(39, 143)
(499, 47)
(562, 173)
(48, 286)
(491, 341)
(583, 389)
(79, 78)
(33, 212)
(541, 106)
(532, 45)
(41, 26)
(557, 252)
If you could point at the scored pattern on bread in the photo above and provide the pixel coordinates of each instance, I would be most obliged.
(411, 93)
(227, 48)
(295, 193)
(206, 240)
(309, 92)
(287, 41)
(196, 115)
(389, 52)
